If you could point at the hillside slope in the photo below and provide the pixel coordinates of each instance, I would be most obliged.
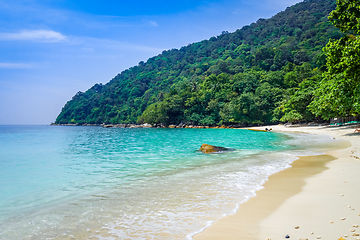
(242, 77)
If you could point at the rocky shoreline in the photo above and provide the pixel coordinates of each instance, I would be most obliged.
(147, 125)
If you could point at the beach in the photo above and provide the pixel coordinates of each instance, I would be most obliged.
(123, 183)
(317, 198)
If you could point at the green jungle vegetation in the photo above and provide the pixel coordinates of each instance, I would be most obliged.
(270, 71)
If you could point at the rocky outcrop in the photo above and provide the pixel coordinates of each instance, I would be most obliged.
(206, 148)
(145, 125)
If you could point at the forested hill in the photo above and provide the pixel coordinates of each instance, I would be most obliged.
(257, 74)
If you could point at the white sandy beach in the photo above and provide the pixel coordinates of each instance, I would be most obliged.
(318, 198)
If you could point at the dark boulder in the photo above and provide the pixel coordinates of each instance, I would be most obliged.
(206, 148)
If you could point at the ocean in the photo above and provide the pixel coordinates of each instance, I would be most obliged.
(78, 182)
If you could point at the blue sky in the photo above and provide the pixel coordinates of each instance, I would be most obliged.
(51, 49)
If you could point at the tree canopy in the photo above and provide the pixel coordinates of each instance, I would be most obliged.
(346, 16)
(339, 91)
(261, 73)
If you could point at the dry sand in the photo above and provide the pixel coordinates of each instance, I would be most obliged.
(318, 198)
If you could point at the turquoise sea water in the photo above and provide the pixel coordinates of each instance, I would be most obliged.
(99, 183)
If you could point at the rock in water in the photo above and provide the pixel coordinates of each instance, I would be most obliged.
(206, 148)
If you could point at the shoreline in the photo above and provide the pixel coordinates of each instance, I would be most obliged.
(306, 201)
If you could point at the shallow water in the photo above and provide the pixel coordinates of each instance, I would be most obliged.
(98, 183)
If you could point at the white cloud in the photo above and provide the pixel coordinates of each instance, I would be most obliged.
(91, 45)
(15, 65)
(153, 23)
(37, 35)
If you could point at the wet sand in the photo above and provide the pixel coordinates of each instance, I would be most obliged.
(317, 198)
